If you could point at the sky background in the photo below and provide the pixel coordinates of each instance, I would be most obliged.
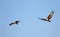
(28, 12)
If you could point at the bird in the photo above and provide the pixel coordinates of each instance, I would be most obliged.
(16, 22)
(49, 17)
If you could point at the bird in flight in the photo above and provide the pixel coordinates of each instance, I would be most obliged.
(16, 22)
(48, 18)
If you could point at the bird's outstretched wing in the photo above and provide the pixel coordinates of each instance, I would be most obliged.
(11, 24)
(43, 19)
(50, 15)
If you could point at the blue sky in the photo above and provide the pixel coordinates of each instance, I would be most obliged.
(27, 11)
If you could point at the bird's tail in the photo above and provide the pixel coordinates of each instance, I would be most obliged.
(49, 21)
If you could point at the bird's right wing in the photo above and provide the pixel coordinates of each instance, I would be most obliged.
(50, 15)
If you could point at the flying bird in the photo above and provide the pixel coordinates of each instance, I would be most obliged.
(48, 18)
(16, 22)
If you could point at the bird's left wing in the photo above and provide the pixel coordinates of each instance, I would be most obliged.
(43, 19)
(11, 23)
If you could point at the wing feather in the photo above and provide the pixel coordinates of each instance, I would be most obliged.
(11, 24)
(50, 15)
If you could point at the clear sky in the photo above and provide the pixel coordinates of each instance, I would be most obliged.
(27, 11)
